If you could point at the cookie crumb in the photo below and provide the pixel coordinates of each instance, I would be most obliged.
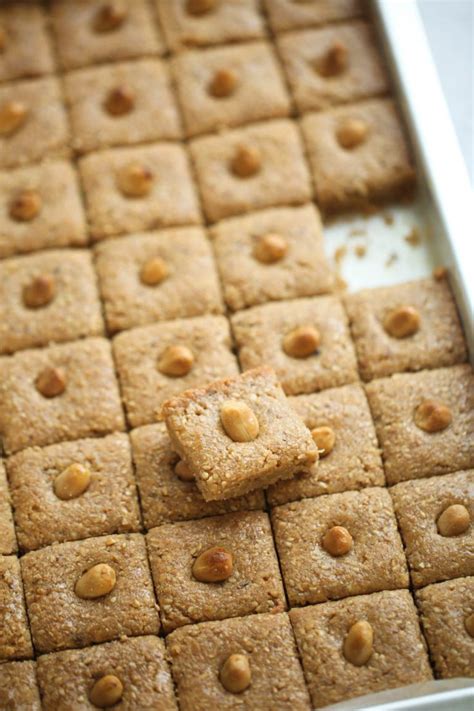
(413, 238)
(360, 250)
(391, 259)
(388, 218)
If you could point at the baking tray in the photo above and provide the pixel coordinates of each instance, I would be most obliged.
(407, 242)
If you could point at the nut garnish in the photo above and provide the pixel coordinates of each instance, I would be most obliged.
(270, 248)
(183, 472)
(223, 84)
(213, 566)
(176, 361)
(402, 322)
(72, 482)
(107, 691)
(96, 582)
(337, 541)
(352, 133)
(239, 421)
(235, 674)
(154, 271)
(325, 439)
(333, 62)
(119, 101)
(469, 624)
(134, 180)
(12, 116)
(301, 342)
(51, 382)
(200, 7)
(454, 520)
(432, 416)
(359, 643)
(39, 292)
(246, 162)
(110, 16)
(25, 206)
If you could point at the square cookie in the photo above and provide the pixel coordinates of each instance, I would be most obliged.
(398, 655)
(229, 86)
(306, 341)
(359, 155)
(265, 641)
(166, 495)
(15, 639)
(71, 389)
(7, 531)
(424, 422)
(447, 615)
(47, 297)
(339, 545)
(18, 686)
(349, 457)
(61, 618)
(290, 15)
(139, 664)
(159, 361)
(435, 519)
(239, 434)
(333, 65)
(132, 189)
(272, 255)
(157, 277)
(121, 104)
(40, 208)
(245, 557)
(89, 31)
(186, 25)
(250, 168)
(73, 490)
(25, 50)
(409, 326)
(37, 120)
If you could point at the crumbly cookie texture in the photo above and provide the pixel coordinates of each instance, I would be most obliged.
(272, 255)
(158, 172)
(291, 15)
(359, 155)
(272, 154)
(166, 496)
(353, 462)
(48, 297)
(409, 326)
(447, 610)
(315, 572)
(100, 499)
(226, 87)
(60, 618)
(260, 334)
(79, 42)
(57, 219)
(86, 404)
(67, 678)
(253, 583)
(410, 452)
(156, 362)
(15, 639)
(398, 653)
(26, 51)
(267, 644)
(332, 65)
(185, 284)
(8, 542)
(18, 686)
(121, 104)
(42, 130)
(436, 552)
(230, 21)
(239, 434)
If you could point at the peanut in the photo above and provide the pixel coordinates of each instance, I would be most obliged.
(469, 624)
(239, 421)
(72, 482)
(51, 382)
(12, 116)
(352, 133)
(107, 691)
(402, 322)
(223, 84)
(270, 248)
(110, 16)
(119, 101)
(39, 292)
(25, 206)
(96, 582)
(454, 520)
(432, 416)
(246, 162)
(359, 643)
(301, 342)
(213, 565)
(235, 674)
(200, 7)
(183, 472)
(337, 541)
(333, 62)
(154, 271)
(325, 439)
(176, 361)
(135, 180)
